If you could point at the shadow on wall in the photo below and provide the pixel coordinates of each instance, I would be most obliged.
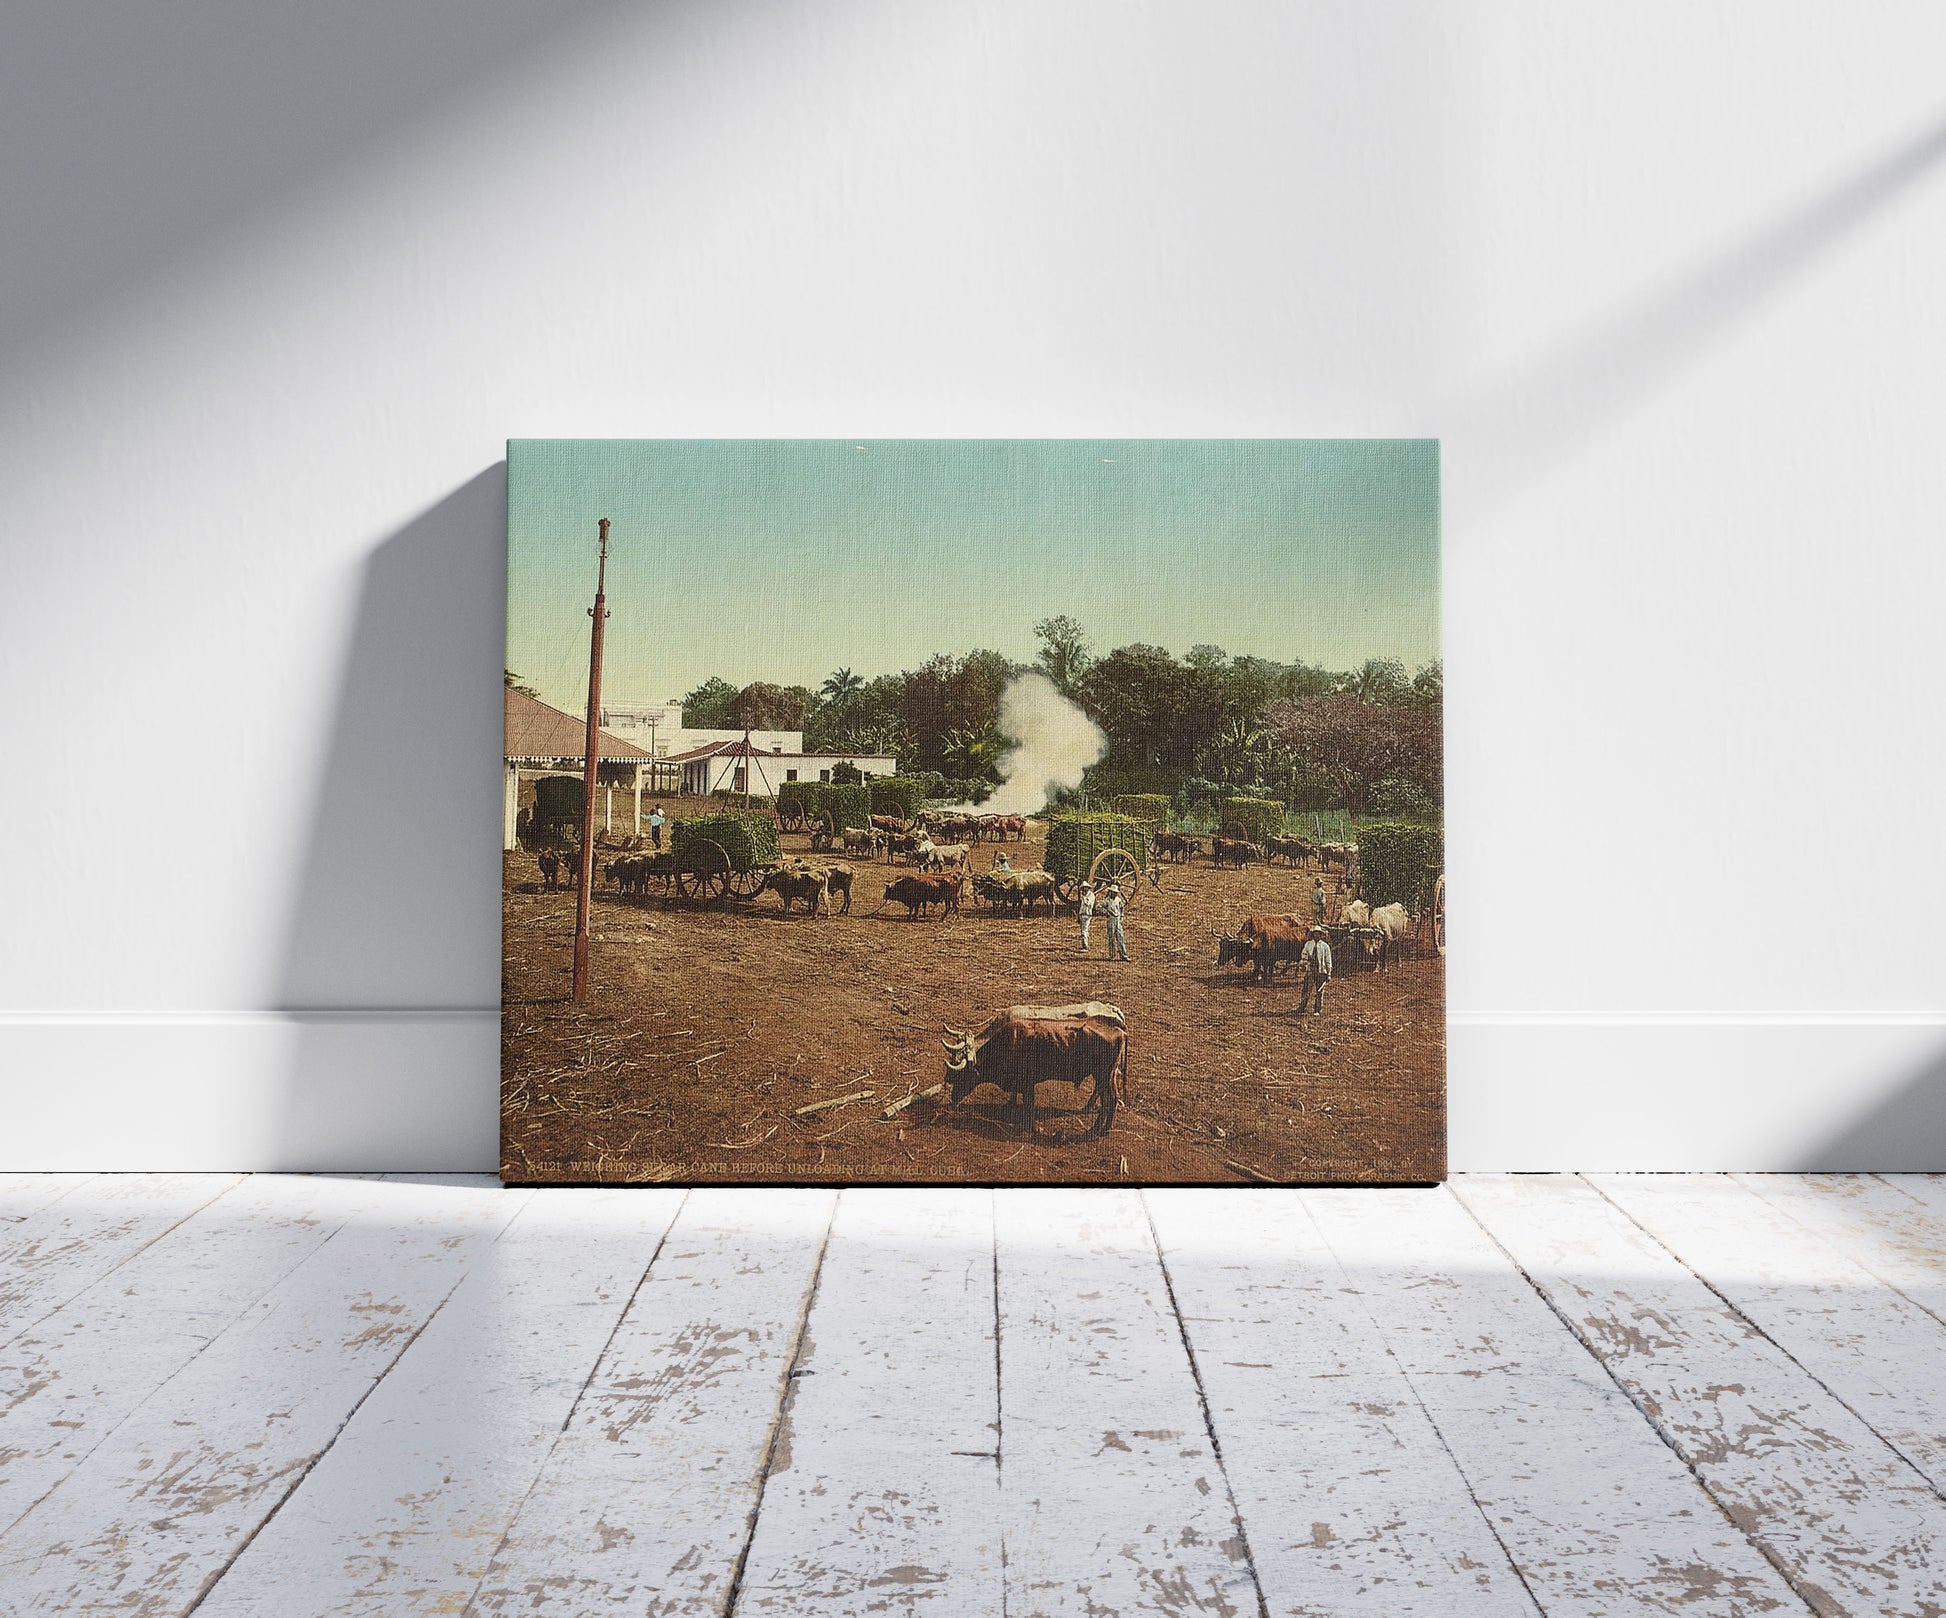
(391, 962)
(1904, 1134)
(1521, 428)
(135, 140)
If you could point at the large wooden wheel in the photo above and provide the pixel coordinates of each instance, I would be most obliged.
(1116, 868)
(1439, 914)
(704, 875)
(748, 884)
(790, 815)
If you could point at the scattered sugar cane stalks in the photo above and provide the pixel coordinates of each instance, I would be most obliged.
(899, 1106)
(835, 1101)
(1254, 1174)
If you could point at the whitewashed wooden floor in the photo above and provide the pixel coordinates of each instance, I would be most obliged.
(1565, 1395)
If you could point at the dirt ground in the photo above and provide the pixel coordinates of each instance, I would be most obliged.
(707, 1029)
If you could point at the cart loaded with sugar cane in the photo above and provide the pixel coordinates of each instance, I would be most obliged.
(728, 855)
(1105, 849)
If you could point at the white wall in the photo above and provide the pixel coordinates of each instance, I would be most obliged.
(280, 281)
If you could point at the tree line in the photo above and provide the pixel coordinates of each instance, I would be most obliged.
(1197, 727)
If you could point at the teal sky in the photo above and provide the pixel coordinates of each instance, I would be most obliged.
(783, 559)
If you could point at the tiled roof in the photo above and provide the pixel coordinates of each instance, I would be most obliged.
(536, 731)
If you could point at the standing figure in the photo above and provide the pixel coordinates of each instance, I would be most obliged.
(1086, 910)
(1318, 901)
(1313, 971)
(656, 818)
(1112, 905)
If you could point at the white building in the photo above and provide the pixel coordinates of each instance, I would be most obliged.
(724, 764)
(657, 728)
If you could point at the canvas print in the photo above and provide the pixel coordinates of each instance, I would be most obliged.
(973, 812)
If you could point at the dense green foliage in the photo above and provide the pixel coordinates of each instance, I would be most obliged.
(1396, 799)
(749, 838)
(1149, 806)
(847, 804)
(1073, 841)
(1196, 728)
(846, 774)
(897, 795)
(732, 795)
(1260, 818)
(1397, 861)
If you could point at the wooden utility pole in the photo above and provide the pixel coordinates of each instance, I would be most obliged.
(584, 891)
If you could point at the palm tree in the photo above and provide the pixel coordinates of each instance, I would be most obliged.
(841, 686)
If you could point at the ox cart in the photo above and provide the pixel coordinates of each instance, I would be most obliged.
(714, 858)
(1111, 851)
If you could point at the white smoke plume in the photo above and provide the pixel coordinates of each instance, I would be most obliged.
(1053, 742)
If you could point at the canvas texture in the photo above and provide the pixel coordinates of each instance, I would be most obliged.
(973, 812)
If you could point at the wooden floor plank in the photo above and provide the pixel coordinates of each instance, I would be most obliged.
(1876, 1350)
(72, 1378)
(1894, 1224)
(1350, 1501)
(1853, 1525)
(23, 1194)
(884, 1493)
(155, 1513)
(1599, 1516)
(403, 1514)
(60, 1249)
(1113, 1499)
(645, 1504)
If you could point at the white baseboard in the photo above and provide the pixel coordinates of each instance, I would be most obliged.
(417, 1090)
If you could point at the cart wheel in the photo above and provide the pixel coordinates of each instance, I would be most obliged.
(790, 815)
(705, 875)
(1439, 915)
(1116, 867)
(1065, 888)
(748, 884)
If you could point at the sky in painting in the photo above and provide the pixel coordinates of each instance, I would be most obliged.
(783, 559)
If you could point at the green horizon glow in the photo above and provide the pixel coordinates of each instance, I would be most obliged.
(783, 559)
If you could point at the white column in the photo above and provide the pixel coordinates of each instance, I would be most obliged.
(510, 806)
(638, 800)
(607, 809)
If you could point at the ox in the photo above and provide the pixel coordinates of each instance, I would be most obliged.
(793, 882)
(1234, 851)
(1028, 1046)
(1298, 850)
(919, 893)
(837, 880)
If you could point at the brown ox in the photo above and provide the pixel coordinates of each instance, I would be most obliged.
(1277, 941)
(1028, 1046)
(1235, 851)
(1298, 850)
(919, 893)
